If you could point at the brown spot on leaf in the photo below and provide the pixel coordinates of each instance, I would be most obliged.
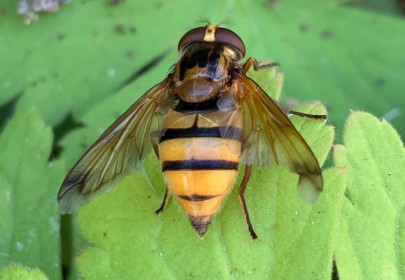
(326, 34)
(303, 27)
(119, 28)
(130, 53)
(115, 3)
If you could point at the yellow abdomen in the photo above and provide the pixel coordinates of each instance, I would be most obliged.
(200, 167)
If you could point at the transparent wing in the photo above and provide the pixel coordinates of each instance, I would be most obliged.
(118, 150)
(270, 137)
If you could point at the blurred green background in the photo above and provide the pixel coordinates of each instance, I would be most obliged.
(347, 54)
(83, 65)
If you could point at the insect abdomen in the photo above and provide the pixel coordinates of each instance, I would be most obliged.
(200, 166)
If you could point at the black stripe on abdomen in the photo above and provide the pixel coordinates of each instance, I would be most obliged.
(229, 132)
(197, 197)
(195, 164)
(209, 105)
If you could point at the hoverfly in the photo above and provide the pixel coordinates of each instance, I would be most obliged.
(203, 120)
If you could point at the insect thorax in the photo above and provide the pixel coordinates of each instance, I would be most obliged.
(203, 71)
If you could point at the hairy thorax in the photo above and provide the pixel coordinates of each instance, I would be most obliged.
(202, 71)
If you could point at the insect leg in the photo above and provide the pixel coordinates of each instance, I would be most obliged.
(154, 139)
(164, 202)
(258, 65)
(156, 150)
(287, 111)
(241, 191)
(166, 196)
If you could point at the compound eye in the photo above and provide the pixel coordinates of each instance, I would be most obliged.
(194, 35)
(223, 35)
(213, 34)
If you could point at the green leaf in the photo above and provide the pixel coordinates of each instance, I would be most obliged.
(29, 224)
(271, 80)
(371, 240)
(304, 242)
(19, 272)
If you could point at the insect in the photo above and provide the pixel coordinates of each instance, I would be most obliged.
(202, 121)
